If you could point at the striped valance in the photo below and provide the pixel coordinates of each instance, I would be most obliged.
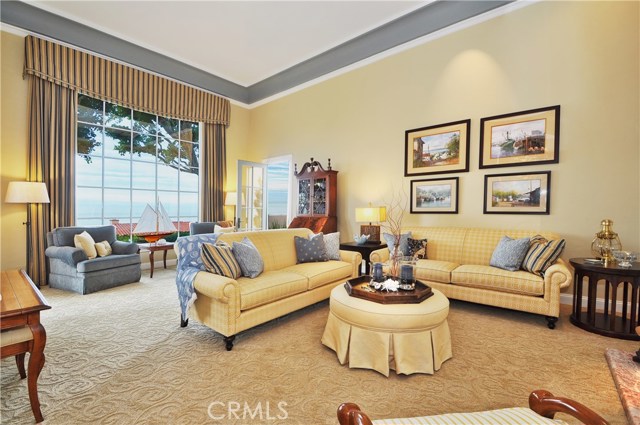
(122, 84)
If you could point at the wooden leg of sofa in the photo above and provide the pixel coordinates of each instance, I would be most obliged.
(551, 321)
(184, 322)
(228, 341)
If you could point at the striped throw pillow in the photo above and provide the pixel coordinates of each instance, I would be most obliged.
(219, 259)
(542, 254)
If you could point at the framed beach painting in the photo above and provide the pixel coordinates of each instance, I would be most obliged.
(434, 196)
(520, 138)
(517, 193)
(437, 149)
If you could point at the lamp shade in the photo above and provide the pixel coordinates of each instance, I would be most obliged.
(231, 198)
(371, 214)
(27, 193)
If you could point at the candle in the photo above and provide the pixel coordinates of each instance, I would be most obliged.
(406, 272)
(377, 272)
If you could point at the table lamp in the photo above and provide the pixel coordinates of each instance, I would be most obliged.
(27, 193)
(371, 214)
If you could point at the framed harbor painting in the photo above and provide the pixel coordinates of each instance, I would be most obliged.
(437, 149)
(517, 193)
(435, 196)
(520, 138)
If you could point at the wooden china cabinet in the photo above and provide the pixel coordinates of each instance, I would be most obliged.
(317, 197)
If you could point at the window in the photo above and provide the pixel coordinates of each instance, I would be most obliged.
(279, 179)
(127, 159)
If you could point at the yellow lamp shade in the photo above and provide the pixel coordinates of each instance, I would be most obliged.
(371, 214)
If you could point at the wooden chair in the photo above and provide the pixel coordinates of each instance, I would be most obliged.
(17, 342)
(542, 402)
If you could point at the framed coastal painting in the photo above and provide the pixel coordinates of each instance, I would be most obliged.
(517, 193)
(520, 138)
(434, 196)
(437, 149)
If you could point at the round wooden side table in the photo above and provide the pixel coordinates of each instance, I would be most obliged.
(616, 318)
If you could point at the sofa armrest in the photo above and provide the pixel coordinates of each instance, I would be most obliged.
(353, 257)
(218, 287)
(124, 248)
(68, 254)
(558, 274)
(379, 255)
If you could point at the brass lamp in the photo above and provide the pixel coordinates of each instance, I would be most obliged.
(605, 242)
(371, 214)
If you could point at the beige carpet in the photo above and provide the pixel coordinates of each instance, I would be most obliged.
(120, 357)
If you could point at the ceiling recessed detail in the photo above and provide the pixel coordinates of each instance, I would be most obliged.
(244, 50)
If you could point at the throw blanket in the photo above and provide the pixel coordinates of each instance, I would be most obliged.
(189, 264)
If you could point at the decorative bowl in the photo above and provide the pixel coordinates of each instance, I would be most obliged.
(361, 239)
(625, 258)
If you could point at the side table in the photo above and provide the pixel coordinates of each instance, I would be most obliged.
(153, 247)
(613, 320)
(365, 250)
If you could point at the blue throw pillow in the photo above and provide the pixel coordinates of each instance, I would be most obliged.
(310, 250)
(404, 242)
(248, 258)
(509, 253)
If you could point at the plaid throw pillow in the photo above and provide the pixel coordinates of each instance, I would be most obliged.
(542, 254)
(219, 259)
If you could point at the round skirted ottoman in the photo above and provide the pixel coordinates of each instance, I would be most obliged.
(409, 338)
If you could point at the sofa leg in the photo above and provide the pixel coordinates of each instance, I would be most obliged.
(551, 321)
(183, 322)
(228, 341)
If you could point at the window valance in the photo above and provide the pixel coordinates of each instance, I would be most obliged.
(122, 84)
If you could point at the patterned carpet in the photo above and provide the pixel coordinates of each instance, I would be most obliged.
(120, 357)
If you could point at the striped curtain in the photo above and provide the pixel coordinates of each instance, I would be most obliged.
(214, 170)
(127, 86)
(51, 153)
(56, 74)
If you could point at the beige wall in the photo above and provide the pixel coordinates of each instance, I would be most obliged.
(13, 148)
(581, 55)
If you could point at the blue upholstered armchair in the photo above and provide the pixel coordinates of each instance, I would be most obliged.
(70, 268)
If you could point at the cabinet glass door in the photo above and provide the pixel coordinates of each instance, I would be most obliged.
(320, 196)
(304, 197)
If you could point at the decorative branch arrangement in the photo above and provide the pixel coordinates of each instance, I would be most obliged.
(396, 209)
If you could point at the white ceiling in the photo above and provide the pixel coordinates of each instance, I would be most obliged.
(241, 41)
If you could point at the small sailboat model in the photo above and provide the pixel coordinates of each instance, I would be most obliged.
(153, 225)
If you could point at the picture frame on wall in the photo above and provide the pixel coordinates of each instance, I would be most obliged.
(434, 196)
(436, 149)
(520, 138)
(517, 193)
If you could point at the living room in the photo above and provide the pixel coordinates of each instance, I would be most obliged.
(583, 56)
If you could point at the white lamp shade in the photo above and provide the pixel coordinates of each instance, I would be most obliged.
(231, 198)
(371, 214)
(27, 193)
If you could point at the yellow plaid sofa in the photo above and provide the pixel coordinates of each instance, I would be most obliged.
(458, 266)
(230, 306)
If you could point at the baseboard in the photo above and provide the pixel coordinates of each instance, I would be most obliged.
(158, 264)
(568, 299)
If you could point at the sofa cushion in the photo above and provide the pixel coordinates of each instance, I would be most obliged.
(103, 248)
(320, 274)
(487, 277)
(332, 245)
(403, 246)
(105, 263)
(219, 259)
(417, 248)
(269, 287)
(310, 250)
(248, 258)
(86, 242)
(434, 270)
(542, 254)
(509, 253)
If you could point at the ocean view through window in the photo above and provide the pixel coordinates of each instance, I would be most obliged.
(127, 159)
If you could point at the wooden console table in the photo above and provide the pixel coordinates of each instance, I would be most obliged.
(153, 247)
(609, 321)
(20, 309)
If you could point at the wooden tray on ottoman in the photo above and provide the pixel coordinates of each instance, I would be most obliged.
(355, 288)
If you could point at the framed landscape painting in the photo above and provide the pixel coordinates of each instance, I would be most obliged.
(434, 196)
(437, 149)
(517, 193)
(520, 138)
